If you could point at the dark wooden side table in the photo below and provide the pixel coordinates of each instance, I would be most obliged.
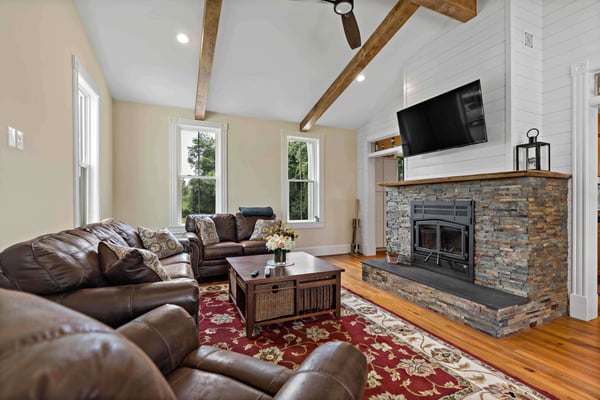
(309, 287)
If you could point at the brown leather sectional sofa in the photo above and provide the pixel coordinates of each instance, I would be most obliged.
(50, 352)
(234, 232)
(64, 267)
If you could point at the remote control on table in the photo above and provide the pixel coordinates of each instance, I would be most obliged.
(254, 274)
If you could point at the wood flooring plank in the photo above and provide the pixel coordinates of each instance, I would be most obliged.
(561, 357)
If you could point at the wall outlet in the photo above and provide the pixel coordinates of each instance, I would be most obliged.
(12, 137)
(19, 140)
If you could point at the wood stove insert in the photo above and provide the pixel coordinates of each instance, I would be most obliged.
(442, 237)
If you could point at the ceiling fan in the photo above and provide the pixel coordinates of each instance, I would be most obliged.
(345, 8)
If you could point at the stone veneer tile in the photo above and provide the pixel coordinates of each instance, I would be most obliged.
(521, 247)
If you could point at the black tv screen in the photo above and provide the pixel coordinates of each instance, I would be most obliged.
(452, 119)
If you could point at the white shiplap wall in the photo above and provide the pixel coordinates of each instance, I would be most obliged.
(464, 53)
(571, 34)
(572, 38)
(525, 79)
(461, 53)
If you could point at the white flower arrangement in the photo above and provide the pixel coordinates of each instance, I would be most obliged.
(281, 238)
(281, 242)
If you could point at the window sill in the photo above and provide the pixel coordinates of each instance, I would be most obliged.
(306, 225)
(176, 229)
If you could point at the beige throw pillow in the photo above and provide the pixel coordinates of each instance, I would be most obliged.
(207, 229)
(262, 228)
(162, 242)
(125, 265)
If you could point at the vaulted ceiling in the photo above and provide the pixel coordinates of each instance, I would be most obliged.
(273, 59)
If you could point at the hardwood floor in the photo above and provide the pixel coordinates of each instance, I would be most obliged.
(561, 357)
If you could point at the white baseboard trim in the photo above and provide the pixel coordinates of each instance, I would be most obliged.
(582, 307)
(326, 250)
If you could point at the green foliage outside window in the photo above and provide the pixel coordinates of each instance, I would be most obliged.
(298, 180)
(198, 194)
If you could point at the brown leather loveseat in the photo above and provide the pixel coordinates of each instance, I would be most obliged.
(234, 231)
(64, 267)
(50, 352)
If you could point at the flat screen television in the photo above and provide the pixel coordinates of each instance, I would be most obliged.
(452, 119)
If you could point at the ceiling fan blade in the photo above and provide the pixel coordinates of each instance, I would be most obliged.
(351, 30)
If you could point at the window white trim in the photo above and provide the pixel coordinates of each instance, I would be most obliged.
(176, 125)
(83, 82)
(316, 205)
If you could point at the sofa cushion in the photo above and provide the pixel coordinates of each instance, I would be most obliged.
(179, 270)
(263, 228)
(178, 266)
(126, 231)
(245, 225)
(253, 247)
(207, 229)
(223, 249)
(125, 265)
(54, 263)
(225, 224)
(162, 242)
(183, 258)
(105, 234)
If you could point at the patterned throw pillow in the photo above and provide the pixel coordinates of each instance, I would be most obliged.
(162, 242)
(262, 228)
(207, 229)
(125, 265)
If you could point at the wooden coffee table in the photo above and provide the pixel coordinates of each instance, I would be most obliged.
(310, 287)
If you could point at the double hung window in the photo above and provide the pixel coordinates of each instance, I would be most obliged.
(302, 183)
(86, 116)
(198, 183)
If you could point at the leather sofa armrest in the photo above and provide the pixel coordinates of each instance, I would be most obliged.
(335, 368)
(266, 377)
(185, 242)
(166, 334)
(116, 305)
(196, 252)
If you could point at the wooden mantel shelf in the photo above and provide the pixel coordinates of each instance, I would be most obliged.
(480, 177)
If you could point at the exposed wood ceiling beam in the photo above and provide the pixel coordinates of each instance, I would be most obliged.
(461, 10)
(210, 27)
(395, 19)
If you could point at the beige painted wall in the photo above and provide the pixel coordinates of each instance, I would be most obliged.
(37, 39)
(141, 169)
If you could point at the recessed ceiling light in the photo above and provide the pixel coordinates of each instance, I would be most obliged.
(360, 78)
(183, 38)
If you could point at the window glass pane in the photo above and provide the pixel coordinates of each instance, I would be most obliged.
(299, 201)
(197, 153)
(198, 196)
(83, 196)
(297, 160)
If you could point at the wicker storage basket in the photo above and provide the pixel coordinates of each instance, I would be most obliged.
(273, 300)
(316, 299)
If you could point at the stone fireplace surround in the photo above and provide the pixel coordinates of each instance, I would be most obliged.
(521, 247)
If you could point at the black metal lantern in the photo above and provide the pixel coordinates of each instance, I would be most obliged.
(533, 155)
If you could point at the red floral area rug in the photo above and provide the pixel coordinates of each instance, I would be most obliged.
(404, 361)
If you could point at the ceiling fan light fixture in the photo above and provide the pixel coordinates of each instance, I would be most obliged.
(343, 7)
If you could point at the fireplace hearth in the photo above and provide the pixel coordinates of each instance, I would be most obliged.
(442, 237)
